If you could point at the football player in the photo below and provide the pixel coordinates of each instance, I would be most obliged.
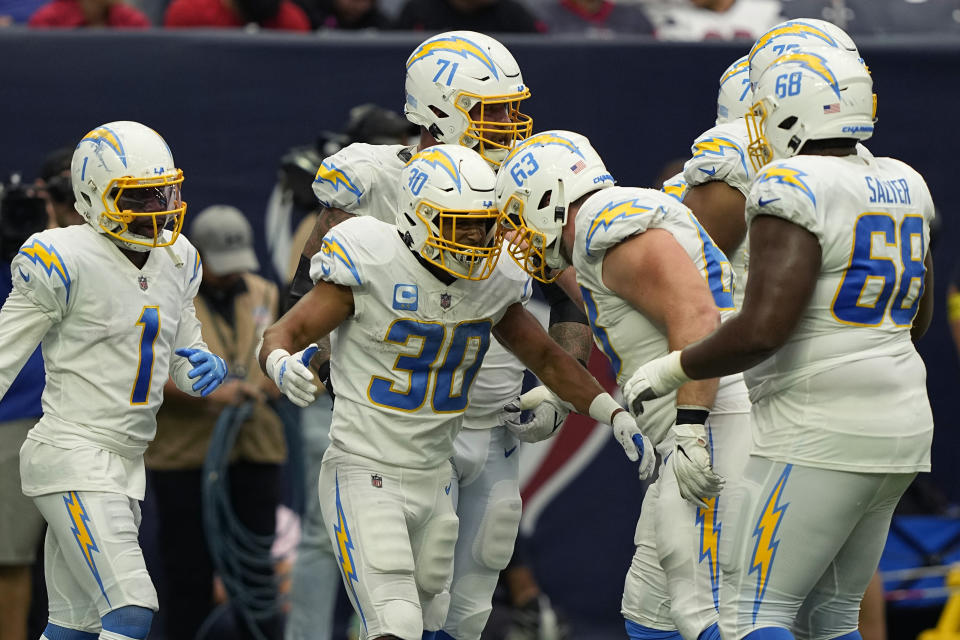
(635, 251)
(841, 281)
(462, 88)
(110, 310)
(413, 306)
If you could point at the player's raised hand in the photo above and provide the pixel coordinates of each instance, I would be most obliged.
(208, 367)
(292, 376)
(549, 412)
(655, 379)
(692, 467)
(636, 445)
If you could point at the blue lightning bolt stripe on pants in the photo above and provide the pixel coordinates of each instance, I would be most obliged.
(803, 544)
(93, 560)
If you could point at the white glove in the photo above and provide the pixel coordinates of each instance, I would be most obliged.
(292, 376)
(636, 445)
(655, 379)
(549, 412)
(691, 465)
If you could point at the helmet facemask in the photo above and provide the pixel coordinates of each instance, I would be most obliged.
(496, 124)
(137, 211)
(536, 252)
(463, 243)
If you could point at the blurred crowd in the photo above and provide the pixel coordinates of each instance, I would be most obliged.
(688, 20)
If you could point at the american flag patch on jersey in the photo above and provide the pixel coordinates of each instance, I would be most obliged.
(579, 166)
(832, 108)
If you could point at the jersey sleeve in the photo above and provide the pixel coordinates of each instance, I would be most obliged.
(609, 221)
(337, 260)
(344, 178)
(43, 274)
(783, 190)
(22, 326)
(717, 157)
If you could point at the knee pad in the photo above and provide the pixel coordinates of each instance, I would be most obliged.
(433, 563)
(128, 622)
(401, 618)
(435, 611)
(639, 632)
(498, 533)
(56, 632)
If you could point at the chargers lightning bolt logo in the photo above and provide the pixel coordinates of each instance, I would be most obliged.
(717, 146)
(79, 518)
(438, 158)
(675, 188)
(612, 212)
(740, 66)
(544, 139)
(765, 532)
(344, 550)
(457, 46)
(329, 172)
(813, 63)
(785, 175)
(333, 249)
(49, 258)
(797, 29)
(104, 136)
(710, 543)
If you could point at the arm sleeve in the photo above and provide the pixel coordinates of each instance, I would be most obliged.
(562, 308)
(22, 326)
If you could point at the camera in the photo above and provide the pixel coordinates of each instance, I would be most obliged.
(22, 213)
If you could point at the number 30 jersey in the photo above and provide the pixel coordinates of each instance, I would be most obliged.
(108, 333)
(848, 389)
(404, 362)
(627, 337)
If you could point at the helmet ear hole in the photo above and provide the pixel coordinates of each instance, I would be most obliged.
(439, 112)
(787, 123)
(545, 199)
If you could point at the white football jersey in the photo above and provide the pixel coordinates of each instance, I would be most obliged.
(848, 389)
(364, 179)
(108, 351)
(404, 362)
(626, 336)
(720, 153)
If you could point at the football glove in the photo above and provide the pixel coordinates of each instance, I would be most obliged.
(655, 379)
(549, 412)
(208, 367)
(691, 465)
(292, 375)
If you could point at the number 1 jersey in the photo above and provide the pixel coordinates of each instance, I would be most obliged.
(403, 363)
(848, 389)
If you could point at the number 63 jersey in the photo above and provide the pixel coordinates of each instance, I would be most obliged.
(848, 389)
(108, 333)
(403, 363)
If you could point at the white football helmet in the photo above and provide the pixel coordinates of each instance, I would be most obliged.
(793, 34)
(535, 186)
(814, 93)
(446, 212)
(735, 96)
(127, 185)
(452, 73)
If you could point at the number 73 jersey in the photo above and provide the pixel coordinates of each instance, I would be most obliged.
(848, 389)
(403, 363)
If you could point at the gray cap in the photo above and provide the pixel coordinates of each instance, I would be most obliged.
(225, 240)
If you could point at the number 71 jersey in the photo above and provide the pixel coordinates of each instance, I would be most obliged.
(849, 378)
(402, 365)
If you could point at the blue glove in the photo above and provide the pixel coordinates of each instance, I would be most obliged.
(209, 367)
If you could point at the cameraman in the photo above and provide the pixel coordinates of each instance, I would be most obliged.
(22, 213)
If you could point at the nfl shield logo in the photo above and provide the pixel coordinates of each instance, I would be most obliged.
(143, 282)
(445, 300)
(376, 481)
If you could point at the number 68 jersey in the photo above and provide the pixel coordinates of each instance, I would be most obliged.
(403, 363)
(848, 389)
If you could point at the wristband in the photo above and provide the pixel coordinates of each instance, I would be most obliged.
(667, 373)
(603, 408)
(692, 414)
